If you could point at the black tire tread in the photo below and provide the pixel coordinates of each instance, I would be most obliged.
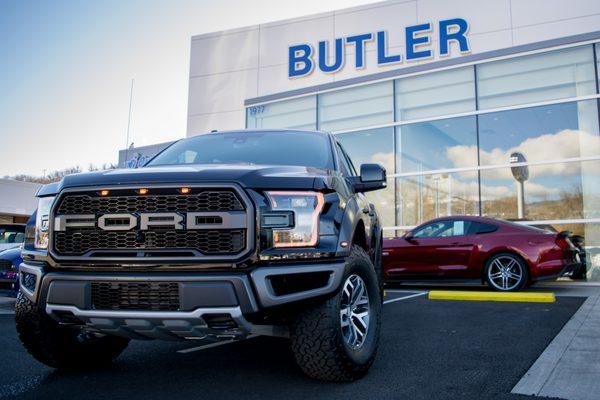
(318, 349)
(58, 346)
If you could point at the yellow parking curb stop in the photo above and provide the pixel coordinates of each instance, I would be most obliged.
(492, 296)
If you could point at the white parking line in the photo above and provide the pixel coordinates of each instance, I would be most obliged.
(211, 345)
(405, 297)
(401, 290)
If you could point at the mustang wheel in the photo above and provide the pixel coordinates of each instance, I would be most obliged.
(506, 272)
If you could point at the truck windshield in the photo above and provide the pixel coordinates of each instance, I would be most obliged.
(307, 149)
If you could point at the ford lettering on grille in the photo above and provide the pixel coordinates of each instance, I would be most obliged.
(147, 221)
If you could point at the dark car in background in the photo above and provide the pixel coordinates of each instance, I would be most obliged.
(9, 269)
(505, 255)
(11, 236)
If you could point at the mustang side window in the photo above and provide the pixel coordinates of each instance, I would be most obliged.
(443, 229)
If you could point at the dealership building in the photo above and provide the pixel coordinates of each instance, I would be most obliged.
(17, 201)
(474, 107)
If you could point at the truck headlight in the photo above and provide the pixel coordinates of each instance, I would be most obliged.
(306, 208)
(42, 222)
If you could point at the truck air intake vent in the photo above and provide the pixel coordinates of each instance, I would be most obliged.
(154, 296)
(28, 281)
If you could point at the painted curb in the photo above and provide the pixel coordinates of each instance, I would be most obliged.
(492, 296)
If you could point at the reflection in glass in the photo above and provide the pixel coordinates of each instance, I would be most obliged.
(438, 93)
(598, 60)
(374, 146)
(424, 197)
(539, 77)
(554, 191)
(300, 113)
(440, 144)
(551, 132)
(357, 107)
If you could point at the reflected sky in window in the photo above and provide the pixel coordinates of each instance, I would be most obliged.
(426, 145)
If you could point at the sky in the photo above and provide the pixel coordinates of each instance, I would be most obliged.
(66, 69)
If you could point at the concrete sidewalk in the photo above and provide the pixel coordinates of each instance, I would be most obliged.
(570, 366)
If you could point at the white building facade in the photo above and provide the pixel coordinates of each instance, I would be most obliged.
(17, 201)
(448, 96)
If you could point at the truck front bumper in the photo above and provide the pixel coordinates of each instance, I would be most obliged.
(208, 304)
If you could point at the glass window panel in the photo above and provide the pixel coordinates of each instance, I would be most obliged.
(443, 229)
(424, 197)
(374, 146)
(552, 192)
(540, 133)
(598, 63)
(300, 113)
(446, 143)
(356, 107)
(538, 77)
(591, 243)
(433, 94)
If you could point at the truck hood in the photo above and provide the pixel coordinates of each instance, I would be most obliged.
(247, 176)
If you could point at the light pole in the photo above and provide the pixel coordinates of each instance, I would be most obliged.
(521, 174)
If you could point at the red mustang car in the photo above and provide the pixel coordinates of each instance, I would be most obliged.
(506, 255)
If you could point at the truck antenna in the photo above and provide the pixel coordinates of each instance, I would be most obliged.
(129, 120)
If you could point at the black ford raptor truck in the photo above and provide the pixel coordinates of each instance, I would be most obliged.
(223, 235)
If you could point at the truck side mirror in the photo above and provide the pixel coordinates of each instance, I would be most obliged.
(372, 177)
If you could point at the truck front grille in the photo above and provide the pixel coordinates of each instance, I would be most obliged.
(142, 296)
(212, 236)
(6, 265)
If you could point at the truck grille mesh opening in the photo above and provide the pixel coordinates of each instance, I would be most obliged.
(213, 242)
(210, 200)
(142, 296)
(210, 242)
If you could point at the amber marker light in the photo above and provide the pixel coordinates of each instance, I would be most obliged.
(143, 191)
(185, 190)
(104, 193)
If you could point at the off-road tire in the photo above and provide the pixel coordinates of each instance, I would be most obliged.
(316, 334)
(62, 347)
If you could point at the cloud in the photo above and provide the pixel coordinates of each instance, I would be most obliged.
(385, 159)
(567, 143)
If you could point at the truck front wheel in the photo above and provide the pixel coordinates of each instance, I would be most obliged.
(338, 339)
(64, 347)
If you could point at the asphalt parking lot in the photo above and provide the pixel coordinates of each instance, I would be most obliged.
(429, 350)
